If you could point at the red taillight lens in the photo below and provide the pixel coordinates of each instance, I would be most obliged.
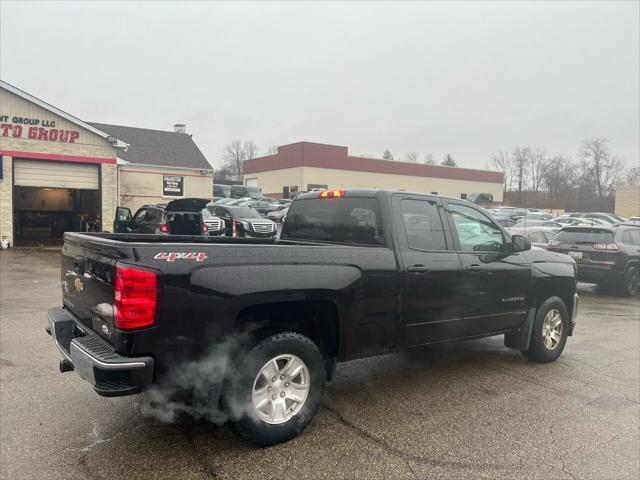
(332, 194)
(205, 229)
(609, 247)
(135, 295)
(164, 228)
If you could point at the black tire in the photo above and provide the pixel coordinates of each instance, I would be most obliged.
(237, 395)
(539, 352)
(631, 282)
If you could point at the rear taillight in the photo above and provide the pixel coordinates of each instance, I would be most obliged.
(135, 295)
(609, 247)
(164, 228)
(234, 229)
(553, 243)
(205, 229)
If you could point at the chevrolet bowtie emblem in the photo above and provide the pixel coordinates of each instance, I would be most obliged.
(79, 285)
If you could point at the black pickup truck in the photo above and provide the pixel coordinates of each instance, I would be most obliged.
(354, 273)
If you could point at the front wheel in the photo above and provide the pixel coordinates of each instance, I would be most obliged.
(549, 332)
(275, 389)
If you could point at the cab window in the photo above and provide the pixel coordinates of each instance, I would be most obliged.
(475, 231)
(343, 220)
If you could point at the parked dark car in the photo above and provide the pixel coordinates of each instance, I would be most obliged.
(244, 221)
(221, 190)
(278, 216)
(356, 273)
(241, 191)
(263, 208)
(608, 255)
(178, 217)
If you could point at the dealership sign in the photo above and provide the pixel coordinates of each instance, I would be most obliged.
(35, 129)
(172, 186)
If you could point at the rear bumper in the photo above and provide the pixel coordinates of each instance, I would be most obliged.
(596, 273)
(110, 374)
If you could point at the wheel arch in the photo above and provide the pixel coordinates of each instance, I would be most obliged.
(317, 319)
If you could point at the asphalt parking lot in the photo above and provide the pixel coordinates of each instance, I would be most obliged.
(474, 410)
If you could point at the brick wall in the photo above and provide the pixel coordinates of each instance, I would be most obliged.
(628, 201)
(109, 188)
(6, 200)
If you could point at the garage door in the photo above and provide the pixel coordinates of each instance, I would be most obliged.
(33, 173)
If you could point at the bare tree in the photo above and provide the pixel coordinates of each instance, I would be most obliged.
(633, 176)
(503, 162)
(449, 161)
(387, 155)
(559, 176)
(234, 155)
(272, 150)
(428, 159)
(412, 157)
(602, 168)
(536, 166)
(520, 157)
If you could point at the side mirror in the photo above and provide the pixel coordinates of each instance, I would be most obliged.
(520, 243)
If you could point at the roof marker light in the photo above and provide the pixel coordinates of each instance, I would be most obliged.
(332, 194)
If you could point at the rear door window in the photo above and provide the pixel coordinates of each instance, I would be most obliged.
(339, 220)
(631, 237)
(423, 225)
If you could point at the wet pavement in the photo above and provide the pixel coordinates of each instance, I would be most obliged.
(473, 410)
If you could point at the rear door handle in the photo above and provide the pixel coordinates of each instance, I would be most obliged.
(473, 268)
(418, 269)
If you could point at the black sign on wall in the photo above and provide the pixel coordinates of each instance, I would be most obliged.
(1, 169)
(172, 186)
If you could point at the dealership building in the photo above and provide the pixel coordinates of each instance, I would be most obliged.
(303, 166)
(59, 173)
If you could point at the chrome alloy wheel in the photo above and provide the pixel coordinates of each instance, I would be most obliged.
(552, 329)
(280, 389)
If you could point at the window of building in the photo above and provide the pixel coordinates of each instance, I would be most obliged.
(463, 196)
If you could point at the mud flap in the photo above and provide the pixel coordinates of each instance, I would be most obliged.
(519, 339)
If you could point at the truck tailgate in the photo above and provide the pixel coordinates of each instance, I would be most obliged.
(88, 272)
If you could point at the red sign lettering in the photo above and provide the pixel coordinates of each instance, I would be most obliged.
(16, 130)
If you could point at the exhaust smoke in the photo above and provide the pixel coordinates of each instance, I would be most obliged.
(193, 388)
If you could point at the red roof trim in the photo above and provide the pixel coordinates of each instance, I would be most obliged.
(56, 157)
(333, 157)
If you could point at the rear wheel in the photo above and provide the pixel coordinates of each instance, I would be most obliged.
(549, 332)
(276, 389)
(631, 282)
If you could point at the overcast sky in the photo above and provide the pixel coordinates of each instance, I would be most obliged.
(461, 78)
